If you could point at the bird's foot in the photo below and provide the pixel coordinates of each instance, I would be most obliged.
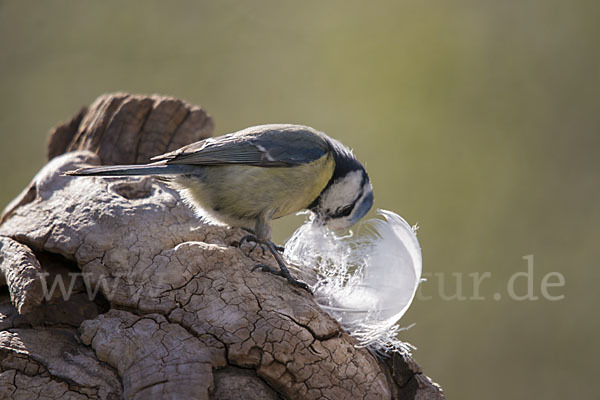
(255, 240)
(283, 270)
(285, 274)
(252, 238)
(267, 268)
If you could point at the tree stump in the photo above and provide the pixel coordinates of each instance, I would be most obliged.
(114, 289)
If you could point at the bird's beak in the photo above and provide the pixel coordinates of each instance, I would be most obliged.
(320, 218)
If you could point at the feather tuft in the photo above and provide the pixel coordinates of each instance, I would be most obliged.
(366, 281)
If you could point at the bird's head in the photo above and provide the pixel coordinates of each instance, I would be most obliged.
(348, 196)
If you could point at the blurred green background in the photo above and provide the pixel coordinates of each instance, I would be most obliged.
(480, 120)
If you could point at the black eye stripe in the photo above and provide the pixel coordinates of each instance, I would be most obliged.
(347, 210)
(344, 211)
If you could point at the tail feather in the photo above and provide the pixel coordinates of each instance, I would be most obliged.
(136, 170)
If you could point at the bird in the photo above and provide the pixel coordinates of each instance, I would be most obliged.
(248, 178)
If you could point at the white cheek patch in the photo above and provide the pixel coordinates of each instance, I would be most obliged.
(342, 192)
(366, 281)
(361, 207)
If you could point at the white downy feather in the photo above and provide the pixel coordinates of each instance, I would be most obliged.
(366, 281)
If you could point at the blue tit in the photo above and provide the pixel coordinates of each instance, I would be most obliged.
(248, 178)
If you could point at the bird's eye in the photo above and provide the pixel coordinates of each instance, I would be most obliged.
(344, 211)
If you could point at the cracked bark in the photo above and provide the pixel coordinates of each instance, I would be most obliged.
(159, 305)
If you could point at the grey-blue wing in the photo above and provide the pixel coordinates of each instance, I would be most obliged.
(263, 146)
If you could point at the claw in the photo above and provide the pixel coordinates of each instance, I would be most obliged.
(247, 238)
(267, 268)
(283, 270)
(257, 242)
(299, 284)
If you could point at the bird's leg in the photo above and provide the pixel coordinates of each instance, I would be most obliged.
(252, 233)
(283, 269)
(252, 238)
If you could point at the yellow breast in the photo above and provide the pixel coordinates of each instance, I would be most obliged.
(242, 192)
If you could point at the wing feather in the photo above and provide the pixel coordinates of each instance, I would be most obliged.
(263, 146)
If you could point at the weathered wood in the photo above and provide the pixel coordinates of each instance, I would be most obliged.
(161, 305)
